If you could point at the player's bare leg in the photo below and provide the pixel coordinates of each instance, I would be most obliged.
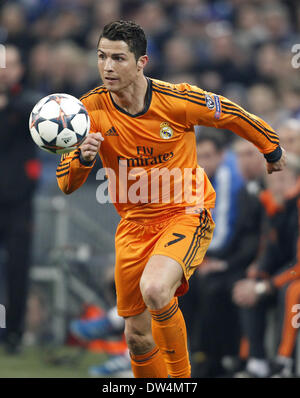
(160, 279)
(138, 333)
(146, 358)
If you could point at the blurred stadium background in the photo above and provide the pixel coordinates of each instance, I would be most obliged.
(238, 48)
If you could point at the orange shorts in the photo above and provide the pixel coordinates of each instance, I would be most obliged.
(185, 238)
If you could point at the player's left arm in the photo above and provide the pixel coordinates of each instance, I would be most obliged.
(214, 110)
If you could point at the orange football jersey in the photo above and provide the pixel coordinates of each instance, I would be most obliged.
(150, 158)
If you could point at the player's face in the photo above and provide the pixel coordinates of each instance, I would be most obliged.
(117, 65)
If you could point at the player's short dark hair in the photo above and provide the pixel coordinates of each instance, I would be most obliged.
(129, 32)
(212, 135)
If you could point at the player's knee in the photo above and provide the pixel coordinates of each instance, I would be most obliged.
(156, 294)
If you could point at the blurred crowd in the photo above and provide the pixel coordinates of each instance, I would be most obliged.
(241, 49)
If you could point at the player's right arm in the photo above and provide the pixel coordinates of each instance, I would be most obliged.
(90, 147)
(75, 167)
(71, 173)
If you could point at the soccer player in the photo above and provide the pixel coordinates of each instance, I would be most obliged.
(142, 127)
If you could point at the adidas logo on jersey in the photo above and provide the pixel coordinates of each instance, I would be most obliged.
(111, 131)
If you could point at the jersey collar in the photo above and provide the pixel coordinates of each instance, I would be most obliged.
(148, 98)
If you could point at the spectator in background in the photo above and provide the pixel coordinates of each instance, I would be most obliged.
(226, 57)
(185, 63)
(289, 133)
(68, 64)
(190, 18)
(103, 12)
(13, 26)
(68, 24)
(100, 13)
(220, 165)
(38, 67)
(251, 165)
(152, 16)
(211, 80)
(20, 172)
(250, 29)
(278, 268)
(290, 96)
(215, 334)
(266, 63)
(263, 100)
(275, 19)
(252, 168)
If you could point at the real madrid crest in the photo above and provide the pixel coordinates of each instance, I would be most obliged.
(166, 132)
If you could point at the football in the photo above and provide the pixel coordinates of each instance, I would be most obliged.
(59, 123)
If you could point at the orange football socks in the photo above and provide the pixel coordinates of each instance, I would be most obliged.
(149, 365)
(169, 333)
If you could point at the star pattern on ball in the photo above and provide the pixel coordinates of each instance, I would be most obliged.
(59, 123)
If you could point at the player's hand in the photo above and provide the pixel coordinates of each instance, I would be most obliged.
(279, 165)
(90, 146)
